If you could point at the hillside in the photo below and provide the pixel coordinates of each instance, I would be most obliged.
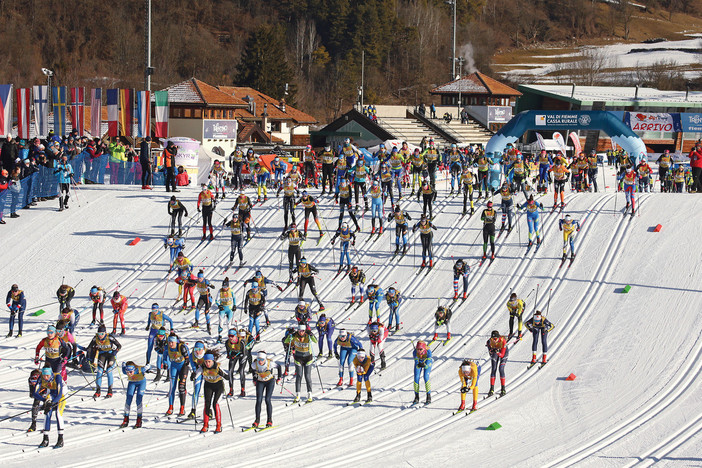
(637, 356)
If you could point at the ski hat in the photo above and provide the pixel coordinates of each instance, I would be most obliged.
(347, 141)
(394, 149)
(344, 226)
(343, 334)
(397, 208)
(102, 328)
(495, 334)
(50, 329)
(374, 327)
(172, 339)
(162, 331)
(225, 283)
(304, 193)
(441, 310)
(242, 333)
(93, 290)
(199, 345)
(361, 355)
(233, 332)
(302, 303)
(47, 371)
(116, 295)
(181, 254)
(261, 356)
(130, 368)
(154, 306)
(459, 261)
(303, 260)
(465, 368)
(14, 287)
(258, 273)
(421, 347)
(254, 285)
(489, 204)
(302, 327)
(200, 274)
(209, 357)
(567, 217)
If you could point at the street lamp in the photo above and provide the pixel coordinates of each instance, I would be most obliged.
(49, 74)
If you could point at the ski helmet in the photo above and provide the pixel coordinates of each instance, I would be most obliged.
(361, 355)
(495, 334)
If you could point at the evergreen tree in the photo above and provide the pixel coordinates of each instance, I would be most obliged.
(263, 65)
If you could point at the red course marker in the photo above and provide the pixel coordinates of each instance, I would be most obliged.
(135, 241)
(571, 377)
(658, 228)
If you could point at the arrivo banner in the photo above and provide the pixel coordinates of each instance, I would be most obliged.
(653, 121)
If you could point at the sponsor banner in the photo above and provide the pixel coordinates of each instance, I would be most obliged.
(563, 120)
(652, 121)
(691, 122)
(219, 129)
(499, 114)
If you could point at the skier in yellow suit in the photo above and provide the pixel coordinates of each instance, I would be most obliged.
(468, 373)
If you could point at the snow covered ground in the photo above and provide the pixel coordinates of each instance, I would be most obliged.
(637, 398)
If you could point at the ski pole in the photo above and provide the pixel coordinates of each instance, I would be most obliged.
(536, 299)
(548, 305)
(230, 412)
(287, 354)
(77, 284)
(530, 293)
(320, 378)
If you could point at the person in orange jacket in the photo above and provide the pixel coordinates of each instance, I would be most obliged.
(168, 156)
(119, 306)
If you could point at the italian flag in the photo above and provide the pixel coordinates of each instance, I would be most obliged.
(161, 128)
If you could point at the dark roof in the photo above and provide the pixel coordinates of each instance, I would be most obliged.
(476, 83)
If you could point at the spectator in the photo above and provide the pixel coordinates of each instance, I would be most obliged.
(15, 189)
(433, 111)
(28, 168)
(3, 186)
(182, 178)
(145, 161)
(696, 165)
(117, 158)
(169, 164)
(9, 153)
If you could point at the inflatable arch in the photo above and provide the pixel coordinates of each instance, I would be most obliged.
(566, 120)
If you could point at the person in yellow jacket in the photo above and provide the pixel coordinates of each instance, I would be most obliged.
(117, 158)
(516, 308)
(364, 369)
(468, 373)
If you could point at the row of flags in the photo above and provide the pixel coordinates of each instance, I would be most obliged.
(124, 107)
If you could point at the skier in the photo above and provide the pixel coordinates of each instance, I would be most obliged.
(237, 241)
(254, 304)
(442, 316)
(136, 376)
(67, 337)
(516, 307)
(629, 178)
(467, 181)
(244, 204)
(238, 347)
(580, 165)
(119, 307)
(345, 203)
(325, 330)
(216, 178)
(309, 166)
(497, 348)
(197, 358)
(176, 210)
(71, 317)
(236, 161)
(357, 278)
(431, 158)
(261, 175)
(278, 167)
(643, 171)
(295, 239)
(289, 191)
(468, 373)
(422, 368)
(17, 304)
(569, 227)
(539, 327)
(104, 348)
(592, 169)
(303, 314)
(364, 369)
(301, 343)
(178, 356)
(460, 270)
(286, 346)
(392, 297)
(533, 217)
(418, 165)
(214, 377)
(342, 167)
(50, 390)
(377, 333)
(265, 382)
(226, 306)
(678, 179)
(488, 218)
(33, 380)
(507, 202)
(349, 345)
(306, 274)
(360, 175)
(189, 290)
(65, 176)
(328, 157)
(376, 196)
(206, 203)
(483, 170)
(184, 269)
(401, 218)
(425, 227)
(160, 345)
(560, 177)
(664, 162)
(518, 170)
(204, 300)
(310, 205)
(64, 294)
(154, 324)
(545, 162)
(374, 294)
(428, 196)
(98, 296)
(347, 237)
(386, 176)
(456, 161)
(262, 286)
(56, 351)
